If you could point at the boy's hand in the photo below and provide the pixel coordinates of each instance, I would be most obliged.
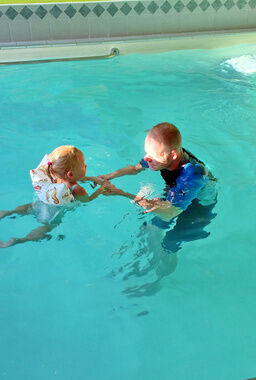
(161, 208)
(150, 204)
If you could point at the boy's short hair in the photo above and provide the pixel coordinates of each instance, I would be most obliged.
(167, 134)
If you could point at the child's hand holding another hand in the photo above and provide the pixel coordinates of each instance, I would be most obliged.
(96, 181)
(109, 189)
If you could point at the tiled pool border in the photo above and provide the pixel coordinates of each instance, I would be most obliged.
(47, 23)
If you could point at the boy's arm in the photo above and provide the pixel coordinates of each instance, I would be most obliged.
(127, 170)
(164, 209)
(161, 208)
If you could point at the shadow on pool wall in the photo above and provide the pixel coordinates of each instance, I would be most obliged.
(156, 244)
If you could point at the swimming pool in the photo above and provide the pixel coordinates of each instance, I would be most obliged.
(101, 299)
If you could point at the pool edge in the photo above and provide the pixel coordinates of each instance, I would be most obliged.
(155, 44)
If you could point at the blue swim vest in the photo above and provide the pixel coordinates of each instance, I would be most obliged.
(183, 184)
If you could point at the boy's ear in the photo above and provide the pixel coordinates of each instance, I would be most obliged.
(174, 154)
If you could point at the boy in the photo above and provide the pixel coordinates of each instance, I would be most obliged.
(183, 173)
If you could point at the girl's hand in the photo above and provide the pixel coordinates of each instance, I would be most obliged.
(96, 181)
(105, 177)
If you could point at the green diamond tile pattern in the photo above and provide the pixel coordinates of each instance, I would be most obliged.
(55, 11)
(216, 5)
(229, 4)
(84, 10)
(26, 12)
(166, 6)
(179, 6)
(204, 5)
(11, 13)
(241, 4)
(252, 4)
(153, 7)
(125, 9)
(98, 10)
(136, 7)
(192, 5)
(70, 11)
(41, 12)
(139, 8)
(112, 9)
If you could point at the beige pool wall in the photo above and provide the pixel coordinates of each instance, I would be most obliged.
(76, 23)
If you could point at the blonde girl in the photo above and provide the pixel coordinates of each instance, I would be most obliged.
(55, 181)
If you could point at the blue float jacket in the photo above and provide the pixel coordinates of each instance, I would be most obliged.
(184, 183)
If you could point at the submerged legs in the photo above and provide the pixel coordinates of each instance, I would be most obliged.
(37, 234)
(21, 210)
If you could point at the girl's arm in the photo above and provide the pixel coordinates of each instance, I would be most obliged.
(81, 195)
(95, 180)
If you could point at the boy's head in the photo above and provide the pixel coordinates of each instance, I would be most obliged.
(67, 162)
(163, 147)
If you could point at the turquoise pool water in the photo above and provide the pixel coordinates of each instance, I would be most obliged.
(103, 300)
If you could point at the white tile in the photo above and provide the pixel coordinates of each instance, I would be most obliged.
(5, 35)
(119, 26)
(239, 20)
(167, 23)
(80, 27)
(141, 25)
(59, 29)
(180, 22)
(40, 29)
(230, 19)
(99, 26)
(196, 21)
(251, 19)
(20, 30)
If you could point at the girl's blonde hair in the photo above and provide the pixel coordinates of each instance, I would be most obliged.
(61, 160)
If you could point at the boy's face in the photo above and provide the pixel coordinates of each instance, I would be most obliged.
(158, 155)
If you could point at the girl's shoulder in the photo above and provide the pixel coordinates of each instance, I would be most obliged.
(77, 190)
